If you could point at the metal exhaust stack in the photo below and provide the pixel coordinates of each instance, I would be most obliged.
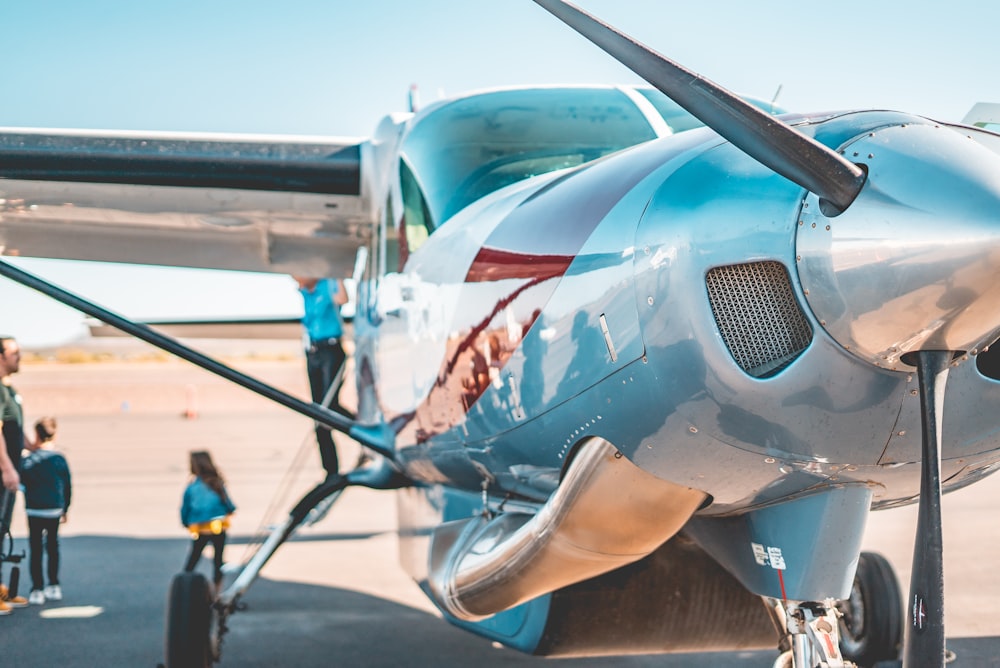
(606, 513)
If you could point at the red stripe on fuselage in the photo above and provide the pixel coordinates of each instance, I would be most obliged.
(528, 252)
(493, 264)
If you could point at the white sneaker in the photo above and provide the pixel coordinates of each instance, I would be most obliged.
(53, 593)
(36, 597)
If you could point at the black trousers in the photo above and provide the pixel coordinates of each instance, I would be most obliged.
(218, 541)
(7, 499)
(323, 363)
(44, 531)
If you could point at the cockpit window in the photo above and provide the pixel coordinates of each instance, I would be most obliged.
(416, 216)
(473, 146)
(461, 150)
(677, 119)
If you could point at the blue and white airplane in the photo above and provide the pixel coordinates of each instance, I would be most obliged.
(638, 362)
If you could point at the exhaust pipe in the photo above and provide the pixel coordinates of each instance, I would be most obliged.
(606, 513)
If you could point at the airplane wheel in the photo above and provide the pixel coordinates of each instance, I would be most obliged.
(189, 619)
(871, 627)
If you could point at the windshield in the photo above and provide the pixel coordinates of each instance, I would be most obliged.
(476, 145)
(464, 149)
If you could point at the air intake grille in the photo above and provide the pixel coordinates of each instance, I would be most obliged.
(758, 317)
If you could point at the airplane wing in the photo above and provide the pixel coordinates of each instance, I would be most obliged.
(233, 328)
(242, 202)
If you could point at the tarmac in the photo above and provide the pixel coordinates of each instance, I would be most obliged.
(334, 594)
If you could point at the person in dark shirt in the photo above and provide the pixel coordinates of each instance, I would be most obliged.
(12, 433)
(47, 494)
(11, 417)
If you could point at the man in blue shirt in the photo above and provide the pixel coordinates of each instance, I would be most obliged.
(322, 299)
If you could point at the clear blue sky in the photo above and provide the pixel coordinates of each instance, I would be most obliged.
(337, 66)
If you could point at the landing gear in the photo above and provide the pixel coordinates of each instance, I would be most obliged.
(189, 623)
(197, 615)
(862, 631)
(811, 635)
(871, 622)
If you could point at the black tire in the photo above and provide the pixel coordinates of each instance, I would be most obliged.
(189, 619)
(871, 628)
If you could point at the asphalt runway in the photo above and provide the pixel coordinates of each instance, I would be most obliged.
(335, 594)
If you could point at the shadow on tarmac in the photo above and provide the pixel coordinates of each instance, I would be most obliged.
(113, 615)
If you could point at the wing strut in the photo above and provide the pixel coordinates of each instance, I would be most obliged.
(378, 440)
(760, 135)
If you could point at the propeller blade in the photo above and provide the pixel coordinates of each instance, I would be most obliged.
(763, 137)
(924, 645)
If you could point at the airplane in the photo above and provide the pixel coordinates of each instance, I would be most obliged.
(637, 362)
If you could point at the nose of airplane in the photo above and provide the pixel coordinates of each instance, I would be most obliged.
(913, 264)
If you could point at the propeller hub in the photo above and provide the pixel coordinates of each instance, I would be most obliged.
(914, 263)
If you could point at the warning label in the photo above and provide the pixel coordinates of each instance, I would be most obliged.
(765, 555)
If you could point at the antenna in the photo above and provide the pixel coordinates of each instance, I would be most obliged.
(413, 98)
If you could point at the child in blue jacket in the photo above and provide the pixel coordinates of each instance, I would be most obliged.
(205, 512)
(47, 494)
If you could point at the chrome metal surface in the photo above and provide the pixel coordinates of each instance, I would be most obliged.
(915, 263)
(606, 513)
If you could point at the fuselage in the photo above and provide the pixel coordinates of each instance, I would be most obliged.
(622, 299)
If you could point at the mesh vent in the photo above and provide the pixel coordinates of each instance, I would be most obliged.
(760, 321)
